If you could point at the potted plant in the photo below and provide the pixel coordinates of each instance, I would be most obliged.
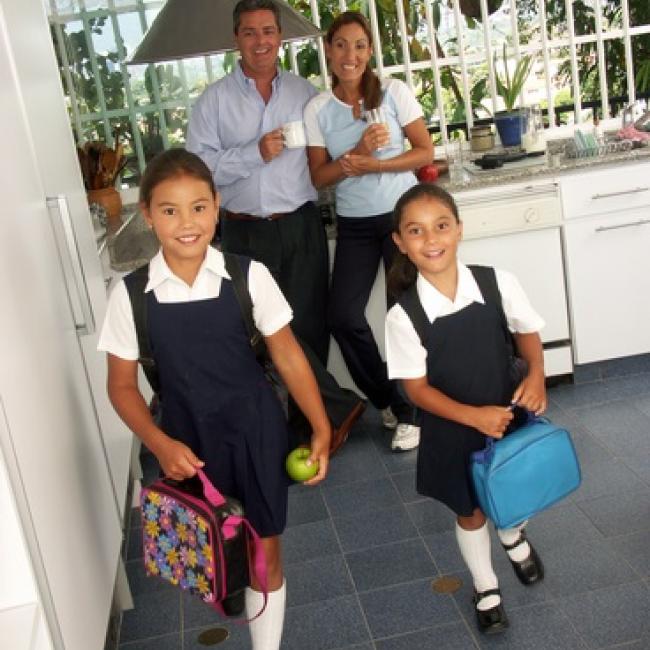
(100, 167)
(510, 122)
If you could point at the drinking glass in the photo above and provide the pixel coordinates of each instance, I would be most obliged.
(454, 155)
(378, 116)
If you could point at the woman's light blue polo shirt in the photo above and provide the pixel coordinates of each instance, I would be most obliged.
(329, 123)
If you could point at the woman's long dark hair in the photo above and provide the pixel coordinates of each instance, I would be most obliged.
(403, 273)
(370, 84)
(171, 163)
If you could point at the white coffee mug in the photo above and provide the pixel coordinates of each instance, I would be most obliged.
(293, 134)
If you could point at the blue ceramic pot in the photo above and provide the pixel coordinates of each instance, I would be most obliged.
(510, 125)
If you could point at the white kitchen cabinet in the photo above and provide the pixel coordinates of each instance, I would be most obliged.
(601, 191)
(608, 274)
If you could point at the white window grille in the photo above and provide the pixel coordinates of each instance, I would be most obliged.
(443, 49)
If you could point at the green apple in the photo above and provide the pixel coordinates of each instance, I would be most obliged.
(297, 467)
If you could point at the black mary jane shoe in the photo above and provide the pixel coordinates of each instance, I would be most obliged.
(493, 620)
(530, 570)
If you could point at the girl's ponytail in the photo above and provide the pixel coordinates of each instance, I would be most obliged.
(401, 275)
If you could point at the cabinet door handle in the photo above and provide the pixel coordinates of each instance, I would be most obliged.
(630, 224)
(71, 263)
(636, 190)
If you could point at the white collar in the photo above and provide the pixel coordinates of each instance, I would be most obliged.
(159, 271)
(434, 302)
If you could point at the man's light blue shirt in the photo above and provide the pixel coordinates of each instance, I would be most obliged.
(225, 128)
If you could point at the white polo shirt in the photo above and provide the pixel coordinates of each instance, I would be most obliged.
(329, 123)
(405, 355)
(271, 311)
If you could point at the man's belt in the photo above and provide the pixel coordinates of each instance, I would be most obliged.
(242, 216)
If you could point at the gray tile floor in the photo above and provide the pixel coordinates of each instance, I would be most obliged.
(362, 551)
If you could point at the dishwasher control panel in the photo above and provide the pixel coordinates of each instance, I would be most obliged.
(510, 209)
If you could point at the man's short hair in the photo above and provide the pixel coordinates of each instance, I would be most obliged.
(245, 6)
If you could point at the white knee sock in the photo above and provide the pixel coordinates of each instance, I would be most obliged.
(266, 629)
(510, 536)
(475, 549)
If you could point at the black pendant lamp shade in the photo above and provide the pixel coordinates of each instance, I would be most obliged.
(187, 28)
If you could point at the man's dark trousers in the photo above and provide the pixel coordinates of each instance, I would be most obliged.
(294, 249)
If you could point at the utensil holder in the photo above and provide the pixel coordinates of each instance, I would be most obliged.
(109, 198)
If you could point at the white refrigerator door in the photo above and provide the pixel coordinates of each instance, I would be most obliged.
(58, 466)
(56, 159)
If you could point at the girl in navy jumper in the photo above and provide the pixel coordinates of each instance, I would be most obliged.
(219, 412)
(461, 377)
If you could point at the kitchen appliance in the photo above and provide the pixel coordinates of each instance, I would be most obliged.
(517, 228)
(64, 451)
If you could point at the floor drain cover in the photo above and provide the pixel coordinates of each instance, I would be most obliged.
(213, 636)
(446, 584)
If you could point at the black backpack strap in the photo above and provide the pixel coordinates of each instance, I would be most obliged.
(410, 303)
(240, 285)
(136, 283)
(486, 278)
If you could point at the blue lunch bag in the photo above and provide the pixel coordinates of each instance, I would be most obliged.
(524, 472)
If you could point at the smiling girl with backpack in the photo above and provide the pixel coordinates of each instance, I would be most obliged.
(219, 412)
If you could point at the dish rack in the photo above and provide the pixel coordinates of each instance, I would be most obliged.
(571, 149)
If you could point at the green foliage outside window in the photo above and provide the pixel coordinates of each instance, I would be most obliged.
(160, 101)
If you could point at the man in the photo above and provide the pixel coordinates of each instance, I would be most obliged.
(267, 196)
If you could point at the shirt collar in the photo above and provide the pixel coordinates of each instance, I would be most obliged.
(159, 272)
(435, 302)
(248, 82)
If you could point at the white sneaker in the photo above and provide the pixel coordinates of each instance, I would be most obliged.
(388, 418)
(406, 436)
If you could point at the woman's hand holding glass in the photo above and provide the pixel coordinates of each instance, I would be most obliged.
(375, 137)
(360, 160)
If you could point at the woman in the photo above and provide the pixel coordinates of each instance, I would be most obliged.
(371, 170)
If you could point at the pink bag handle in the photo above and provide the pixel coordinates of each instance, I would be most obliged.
(258, 564)
(214, 497)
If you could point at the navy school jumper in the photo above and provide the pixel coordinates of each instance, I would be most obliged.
(468, 359)
(218, 402)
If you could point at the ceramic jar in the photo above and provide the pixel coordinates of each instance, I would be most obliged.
(481, 138)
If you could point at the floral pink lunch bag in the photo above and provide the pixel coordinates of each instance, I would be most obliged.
(196, 538)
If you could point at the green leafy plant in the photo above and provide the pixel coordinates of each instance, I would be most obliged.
(643, 76)
(510, 87)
